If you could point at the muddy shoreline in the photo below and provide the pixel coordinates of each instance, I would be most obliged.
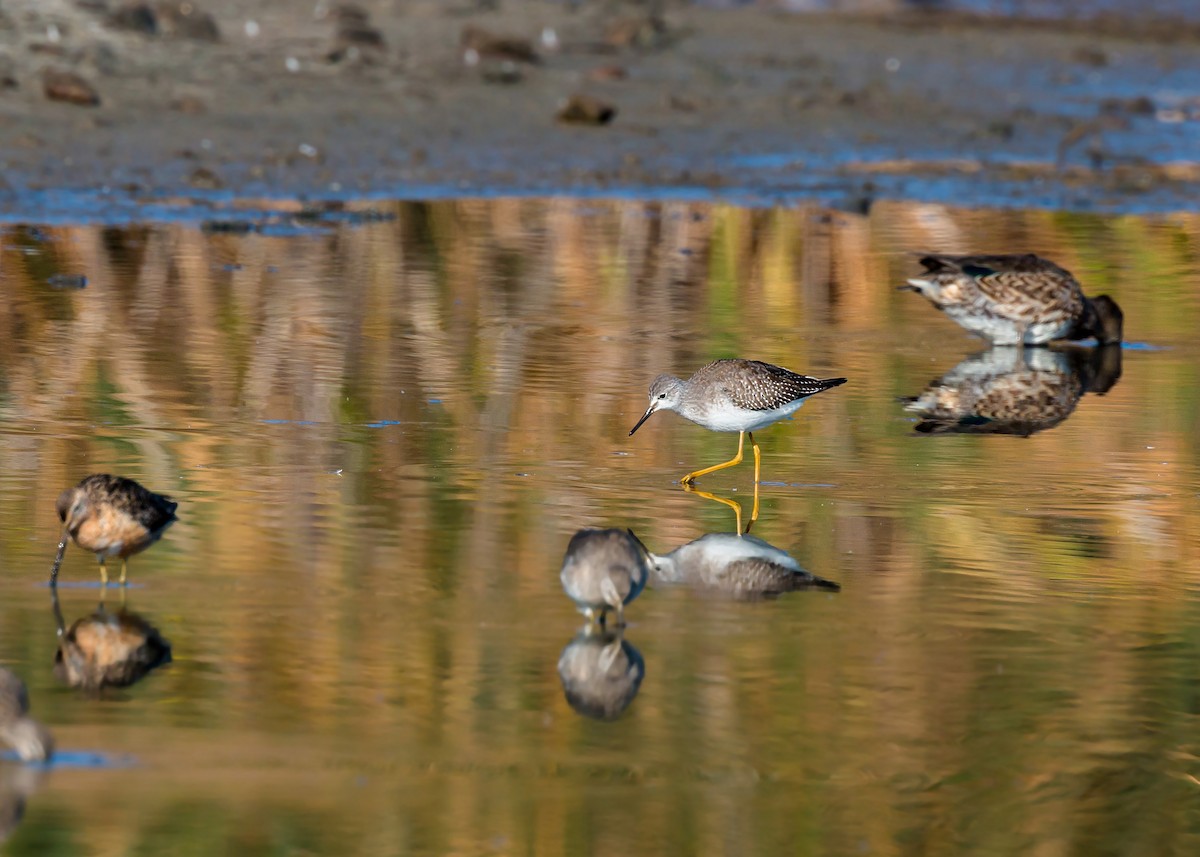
(759, 107)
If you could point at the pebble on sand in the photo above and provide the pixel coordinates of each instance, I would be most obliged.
(586, 110)
(59, 85)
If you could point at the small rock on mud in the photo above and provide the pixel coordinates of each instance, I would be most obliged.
(180, 19)
(478, 44)
(586, 110)
(355, 37)
(192, 105)
(608, 73)
(645, 32)
(203, 178)
(67, 86)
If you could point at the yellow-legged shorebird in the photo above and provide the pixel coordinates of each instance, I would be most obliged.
(734, 395)
(1016, 300)
(32, 741)
(111, 516)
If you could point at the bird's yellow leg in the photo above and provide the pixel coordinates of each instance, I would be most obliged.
(124, 568)
(737, 459)
(732, 504)
(757, 459)
(754, 513)
(103, 573)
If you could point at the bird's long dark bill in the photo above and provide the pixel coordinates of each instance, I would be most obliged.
(58, 558)
(645, 417)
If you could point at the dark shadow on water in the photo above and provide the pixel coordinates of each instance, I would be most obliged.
(106, 649)
(1014, 391)
(600, 672)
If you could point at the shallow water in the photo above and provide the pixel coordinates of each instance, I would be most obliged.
(383, 430)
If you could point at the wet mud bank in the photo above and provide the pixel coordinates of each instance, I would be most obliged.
(108, 110)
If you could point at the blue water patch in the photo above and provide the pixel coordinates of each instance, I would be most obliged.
(775, 484)
(1142, 346)
(75, 759)
(95, 584)
(382, 423)
(289, 422)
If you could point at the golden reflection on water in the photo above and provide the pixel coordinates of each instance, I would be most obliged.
(382, 437)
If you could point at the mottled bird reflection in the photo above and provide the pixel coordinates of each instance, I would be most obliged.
(106, 649)
(743, 567)
(601, 673)
(1016, 391)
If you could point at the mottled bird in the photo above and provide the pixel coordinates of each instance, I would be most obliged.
(1014, 300)
(111, 516)
(604, 570)
(740, 566)
(32, 741)
(734, 395)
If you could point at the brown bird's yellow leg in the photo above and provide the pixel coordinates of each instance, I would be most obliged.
(737, 459)
(103, 573)
(732, 504)
(124, 568)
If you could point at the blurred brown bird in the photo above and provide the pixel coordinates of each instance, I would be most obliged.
(111, 516)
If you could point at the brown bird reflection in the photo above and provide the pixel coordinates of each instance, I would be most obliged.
(31, 740)
(741, 566)
(601, 673)
(1016, 391)
(106, 649)
(111, 516)
(17, 785)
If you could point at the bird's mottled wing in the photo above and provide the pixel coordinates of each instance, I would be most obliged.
(760, 578)
(763, 387)
(152, 511)
(1023, 288)
(1028, 298)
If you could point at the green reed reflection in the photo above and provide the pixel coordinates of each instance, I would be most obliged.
(382, 437)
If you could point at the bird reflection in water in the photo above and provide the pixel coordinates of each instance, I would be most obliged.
(732, 504)
(601, 673)
(31, 740)
(743, 567)
(106, 649)
(17, 785)
(1016, 391)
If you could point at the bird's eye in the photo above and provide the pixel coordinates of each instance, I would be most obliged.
(662, 395)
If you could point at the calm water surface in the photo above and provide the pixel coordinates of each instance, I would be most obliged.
(383, 434)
